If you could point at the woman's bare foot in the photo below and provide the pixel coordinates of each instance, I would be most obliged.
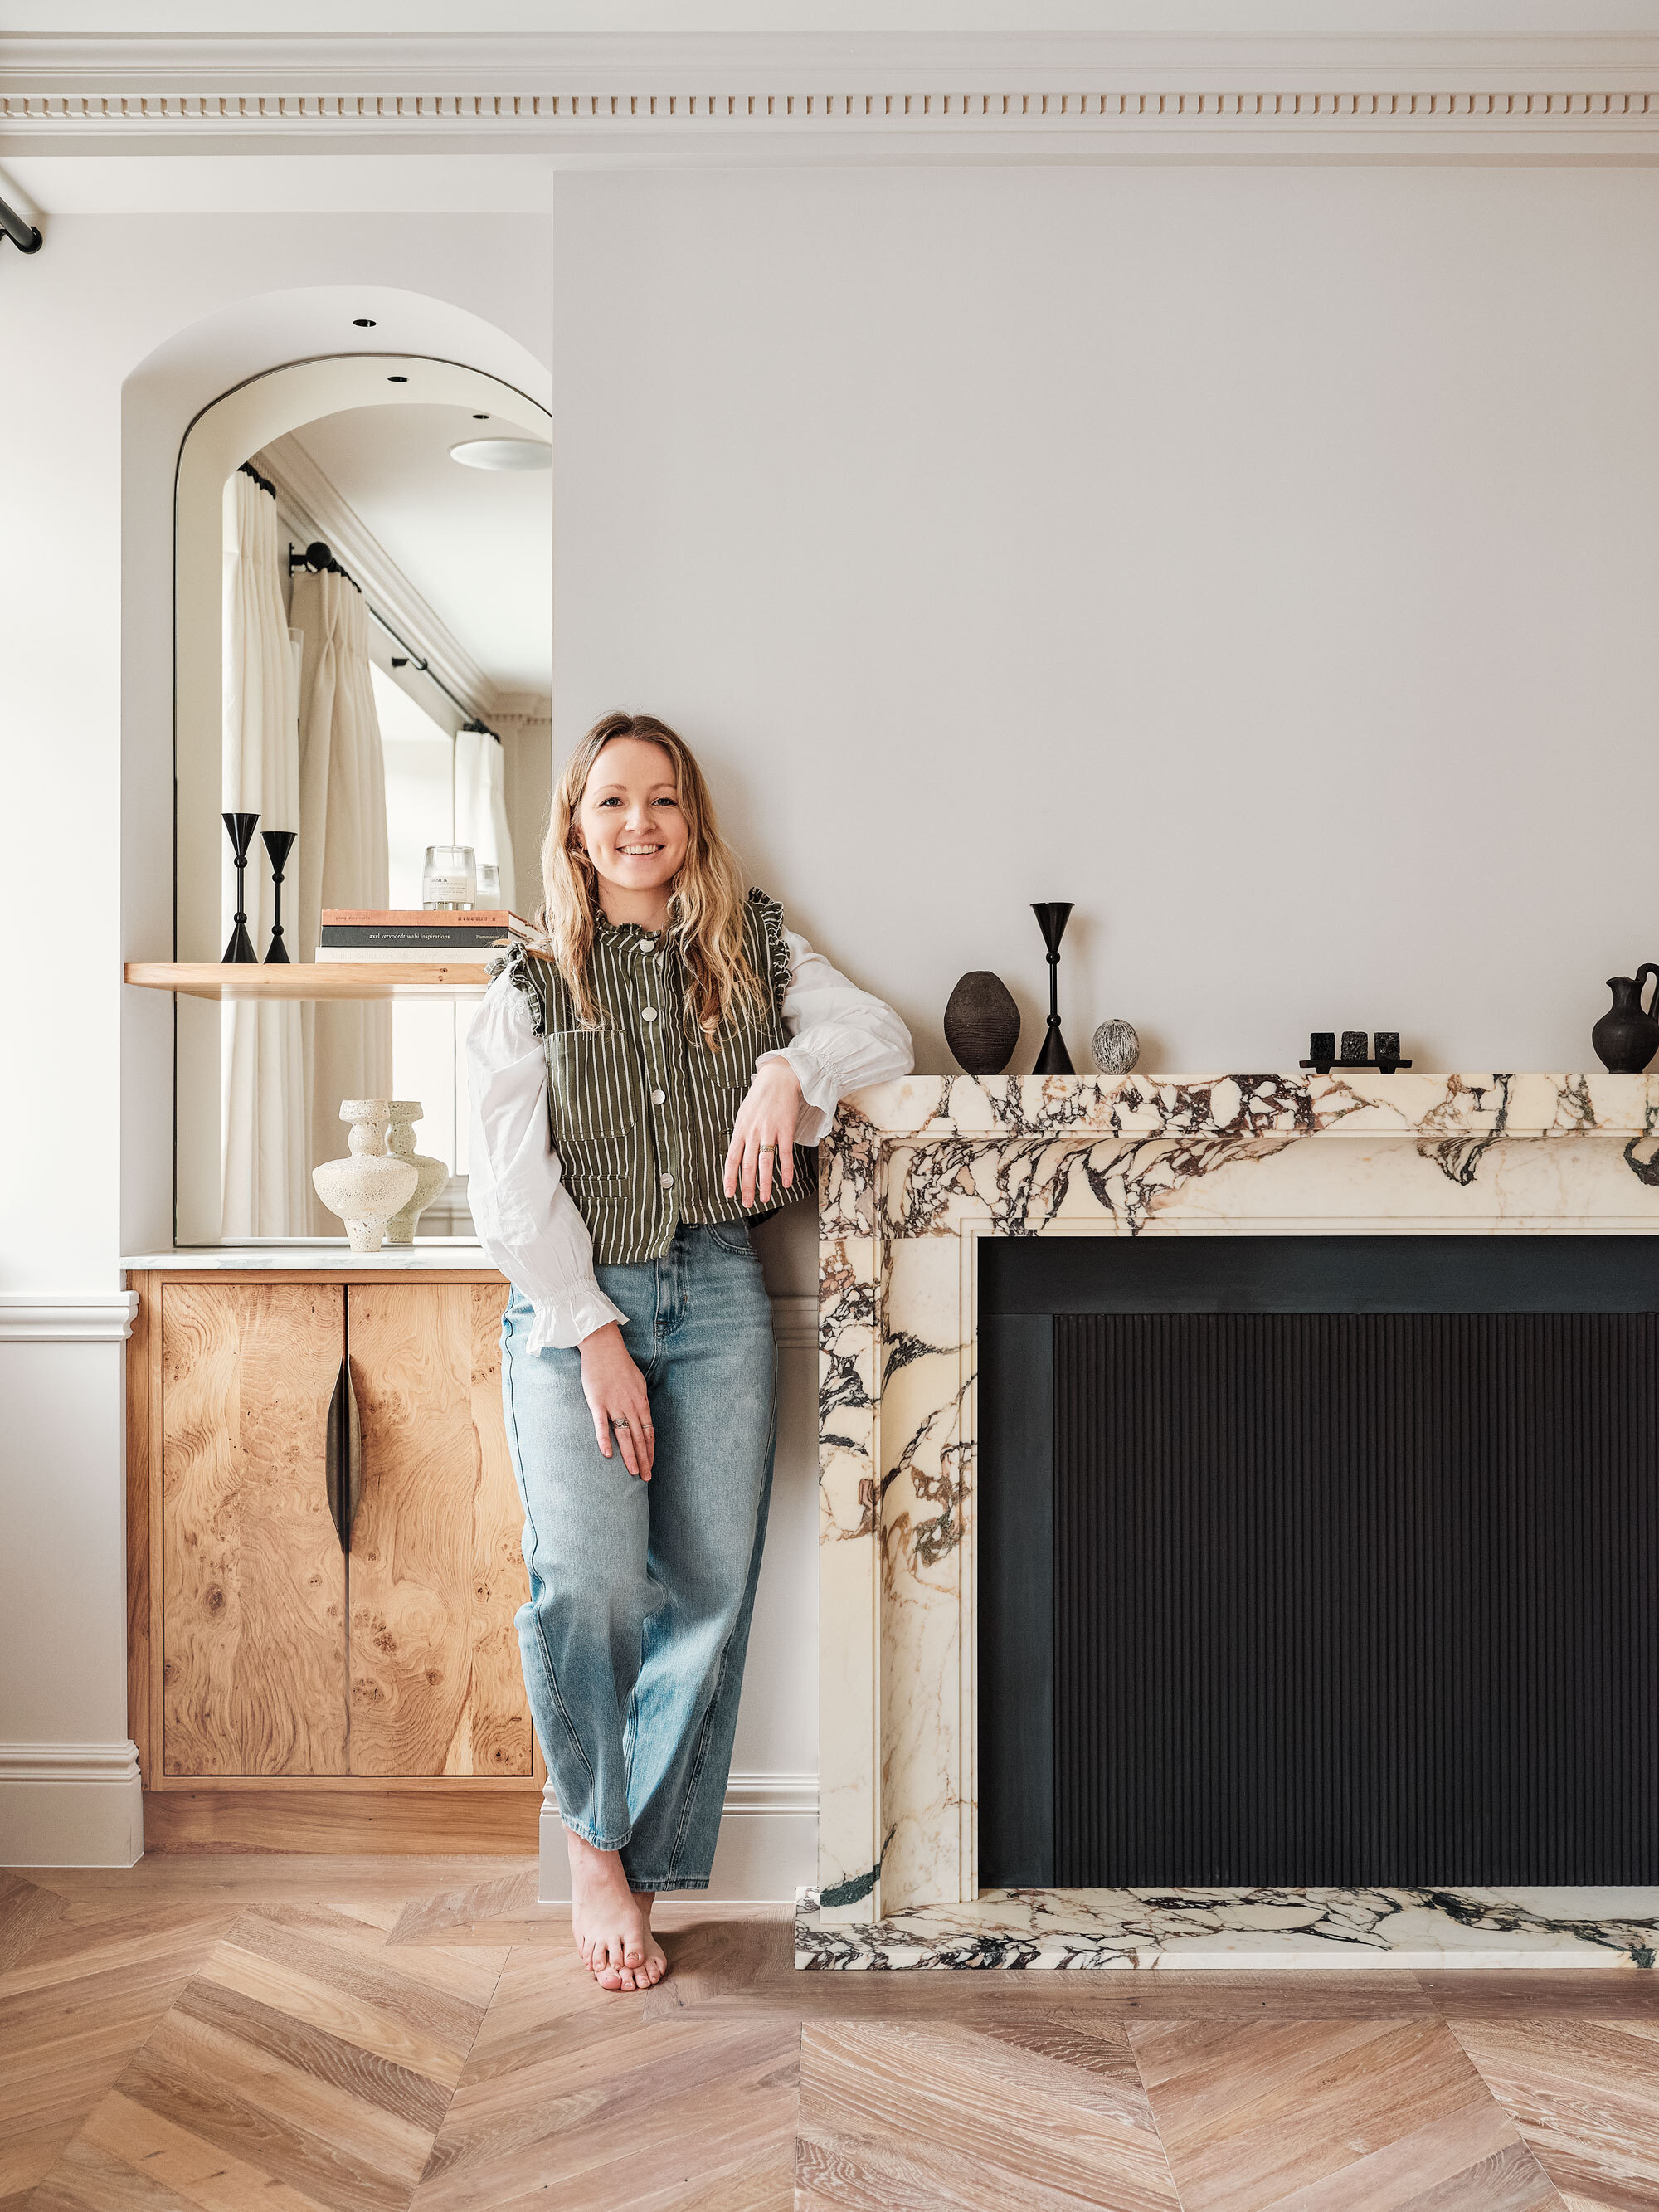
(655, 1965)
(612, 1924)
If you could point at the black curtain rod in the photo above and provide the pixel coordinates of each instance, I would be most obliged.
(23, 235)
(265, 483)
(318, 560)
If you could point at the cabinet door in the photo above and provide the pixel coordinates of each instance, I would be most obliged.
(436, 1570)
(253, 1623)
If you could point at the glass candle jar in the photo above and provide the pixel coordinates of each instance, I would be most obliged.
(488, 893)
(449, 880)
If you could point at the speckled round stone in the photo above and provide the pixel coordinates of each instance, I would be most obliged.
(1116, 1048)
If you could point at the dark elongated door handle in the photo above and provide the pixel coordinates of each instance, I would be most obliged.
(335, 1447)
(344, 1456)
(354, 1460)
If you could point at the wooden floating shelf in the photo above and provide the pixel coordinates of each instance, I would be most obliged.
(322, 979)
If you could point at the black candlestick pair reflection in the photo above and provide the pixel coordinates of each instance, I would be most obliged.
(278, 844)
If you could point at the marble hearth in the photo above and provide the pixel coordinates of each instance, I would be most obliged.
(914, 1176)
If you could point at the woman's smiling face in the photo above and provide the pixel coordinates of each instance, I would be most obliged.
(630, 819)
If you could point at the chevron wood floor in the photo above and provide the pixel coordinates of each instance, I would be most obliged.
(298, 2034)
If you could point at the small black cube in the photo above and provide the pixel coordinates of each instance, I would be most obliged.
(1353, 1047)
(1388, 1044)
(1322, 1045)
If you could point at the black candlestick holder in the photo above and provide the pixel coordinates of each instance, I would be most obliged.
(278, 844)
(240, 952)
(1053, 916)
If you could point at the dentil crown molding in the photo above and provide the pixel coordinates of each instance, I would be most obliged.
(578, 98)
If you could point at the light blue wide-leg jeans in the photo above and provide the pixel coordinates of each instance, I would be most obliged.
(640, 1593)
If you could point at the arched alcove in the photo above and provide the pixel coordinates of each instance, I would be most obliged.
(219, 440)
(193, 409)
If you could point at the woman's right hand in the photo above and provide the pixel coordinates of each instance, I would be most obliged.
(616, 1393)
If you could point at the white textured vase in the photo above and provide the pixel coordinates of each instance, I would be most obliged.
(433, 1174)
(368, 1188)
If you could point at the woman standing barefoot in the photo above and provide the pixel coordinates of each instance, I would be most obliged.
(642, 1088)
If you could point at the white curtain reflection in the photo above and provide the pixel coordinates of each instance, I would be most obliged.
(266, 1187)
(341, 851)
(420, 801)
(480, 805)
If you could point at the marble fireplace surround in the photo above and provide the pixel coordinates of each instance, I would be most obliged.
(914, 1175)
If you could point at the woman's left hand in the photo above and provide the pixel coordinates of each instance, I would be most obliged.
(763, 1134)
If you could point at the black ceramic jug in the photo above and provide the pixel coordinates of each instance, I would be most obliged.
(1625, 1039)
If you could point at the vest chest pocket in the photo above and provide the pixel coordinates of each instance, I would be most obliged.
(593, 1085)
(730, 1066)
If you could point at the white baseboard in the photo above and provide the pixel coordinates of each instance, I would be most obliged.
(768, 1845)
(71, 1804)
(48, 1317)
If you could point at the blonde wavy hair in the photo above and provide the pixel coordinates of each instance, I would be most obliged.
(706, 900)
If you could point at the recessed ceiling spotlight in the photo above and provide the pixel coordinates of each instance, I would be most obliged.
(503, 453)
(397, 379)
(481, 418)
(362, 322)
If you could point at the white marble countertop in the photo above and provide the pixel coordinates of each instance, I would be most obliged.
(459, 1252)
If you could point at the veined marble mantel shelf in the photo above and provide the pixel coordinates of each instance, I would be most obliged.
(1234, 1110)
(916, 1174)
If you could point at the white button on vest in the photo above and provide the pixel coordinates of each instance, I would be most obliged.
(647, 1013)
(668, 1183)
(657, 1097)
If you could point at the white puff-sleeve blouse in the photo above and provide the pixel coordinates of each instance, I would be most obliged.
(839, 1038)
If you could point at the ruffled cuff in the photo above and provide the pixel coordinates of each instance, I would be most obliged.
(559, 1328)
(820, 1091)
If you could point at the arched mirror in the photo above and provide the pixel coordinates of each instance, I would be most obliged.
(364, 595)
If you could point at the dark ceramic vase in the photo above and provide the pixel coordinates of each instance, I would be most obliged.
(982, 1023)
(1625, 1039)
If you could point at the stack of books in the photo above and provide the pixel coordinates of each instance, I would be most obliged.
(472, 934)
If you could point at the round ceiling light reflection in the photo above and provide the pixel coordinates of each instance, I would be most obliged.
(502, 454)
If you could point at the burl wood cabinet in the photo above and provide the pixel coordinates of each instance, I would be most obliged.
(325, 1566)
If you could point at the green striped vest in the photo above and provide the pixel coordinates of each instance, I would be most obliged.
(641, 1114)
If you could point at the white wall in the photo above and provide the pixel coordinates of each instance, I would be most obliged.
(69, 1792)
(1265, 560)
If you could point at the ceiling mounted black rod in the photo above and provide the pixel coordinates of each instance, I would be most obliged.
(318, 560)
(23, 234)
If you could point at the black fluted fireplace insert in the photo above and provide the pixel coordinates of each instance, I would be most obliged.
(1322, 1561)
